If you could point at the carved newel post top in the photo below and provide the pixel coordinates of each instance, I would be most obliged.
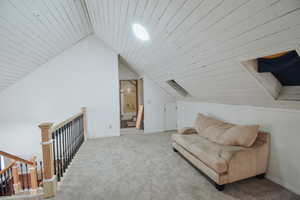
(45, 126)
(83, 109)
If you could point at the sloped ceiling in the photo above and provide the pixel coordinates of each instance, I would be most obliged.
(201, 43)
(34, 31)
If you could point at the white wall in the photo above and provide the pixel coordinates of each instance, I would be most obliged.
(84, 75)
(155, 99)
(284, 165)
(125, 73)
(171, 116)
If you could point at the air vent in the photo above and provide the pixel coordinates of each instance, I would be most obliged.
(180, 90)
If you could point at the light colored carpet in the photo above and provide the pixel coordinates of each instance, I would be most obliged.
(144, 167)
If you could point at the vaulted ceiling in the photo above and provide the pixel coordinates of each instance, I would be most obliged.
(34, 31)
(199, 43)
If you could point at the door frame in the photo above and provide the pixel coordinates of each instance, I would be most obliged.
(136, 97)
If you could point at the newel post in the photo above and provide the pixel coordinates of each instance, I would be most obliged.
(50, 182)
(33, 177)
(83, 110)
(16, 180)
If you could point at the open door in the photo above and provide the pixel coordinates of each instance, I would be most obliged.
(128, 103)
(131, 103)
(140, 117)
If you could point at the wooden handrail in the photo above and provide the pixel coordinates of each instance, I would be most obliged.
(65, 122)
(16, 158)
(8, 167)
(33, 159)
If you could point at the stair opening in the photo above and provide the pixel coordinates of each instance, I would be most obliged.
(278, 74)
(285, 67)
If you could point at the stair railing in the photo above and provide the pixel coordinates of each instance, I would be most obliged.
(6, 180)
(60, 143)
(19, 176)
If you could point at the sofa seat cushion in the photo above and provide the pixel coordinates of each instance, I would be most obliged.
(214, 155)
(185, 140)
(210, 156)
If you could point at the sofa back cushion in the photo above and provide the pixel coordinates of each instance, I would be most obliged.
(225, 133)
(214, 132)
(202, 122)
(239, 136)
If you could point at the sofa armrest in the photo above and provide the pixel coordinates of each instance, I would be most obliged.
(187, 131)
(262, 138)
(250, 161)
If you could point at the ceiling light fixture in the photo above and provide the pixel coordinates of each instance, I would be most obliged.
(140, 32)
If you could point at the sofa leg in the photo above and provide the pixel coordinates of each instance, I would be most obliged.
(219, 187)
(261, 176)
(175, 150)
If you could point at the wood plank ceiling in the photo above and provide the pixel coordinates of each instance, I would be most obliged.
(34, 31)
(200, 43)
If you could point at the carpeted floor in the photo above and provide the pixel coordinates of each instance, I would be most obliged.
(144, 167)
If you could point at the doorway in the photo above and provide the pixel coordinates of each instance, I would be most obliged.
(128, 103)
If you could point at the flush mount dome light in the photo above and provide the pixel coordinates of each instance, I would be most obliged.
(140, 32)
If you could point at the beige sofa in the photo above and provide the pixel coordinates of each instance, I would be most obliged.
(223, 163)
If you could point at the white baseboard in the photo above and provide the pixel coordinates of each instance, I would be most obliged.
(283, 184)
(153, 131)
(104, 135)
